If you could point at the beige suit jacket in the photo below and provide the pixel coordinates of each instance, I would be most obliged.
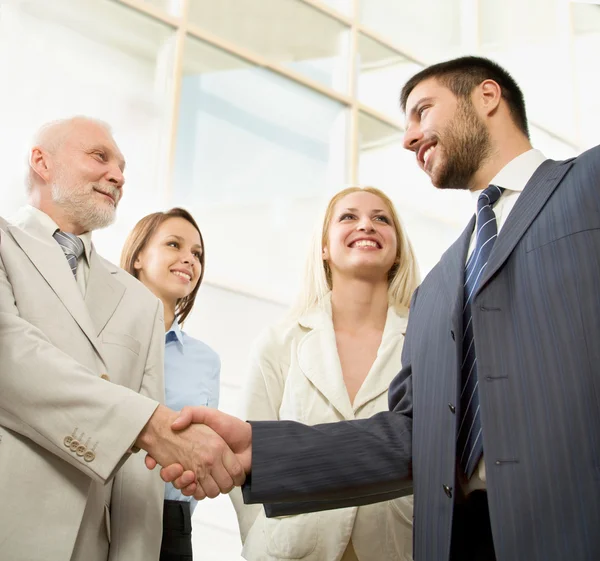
(296, 375)
(89, 371)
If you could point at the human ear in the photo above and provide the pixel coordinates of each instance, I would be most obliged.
(488, 96)
(39, 162)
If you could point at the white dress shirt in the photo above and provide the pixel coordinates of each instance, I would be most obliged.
(512, 177)
(47, 228)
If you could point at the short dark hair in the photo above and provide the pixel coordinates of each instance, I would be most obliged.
(462, 75)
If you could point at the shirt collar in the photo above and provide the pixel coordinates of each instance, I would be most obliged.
(47, 227)
(175, 333)
(517, 173)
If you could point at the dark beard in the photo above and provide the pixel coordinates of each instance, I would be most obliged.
(467, 145)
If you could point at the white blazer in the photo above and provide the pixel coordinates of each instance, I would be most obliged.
(296, 375)
(69, 488)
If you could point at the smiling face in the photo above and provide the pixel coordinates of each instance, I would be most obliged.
(446, 134)
(85, 175)
(170, 263)
(361, 237)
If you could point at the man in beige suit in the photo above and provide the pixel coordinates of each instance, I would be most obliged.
(81, 355)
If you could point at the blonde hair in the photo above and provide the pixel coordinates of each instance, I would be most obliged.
(403, 277)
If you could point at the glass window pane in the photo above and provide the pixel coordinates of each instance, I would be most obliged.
(586, 43)
(255, 151)
(342, 6)
(534, 47)
(90, 57)
(287, 32)
(551, 146)
(172, 7)
(428, 29)
(381, 74)
(373, 133)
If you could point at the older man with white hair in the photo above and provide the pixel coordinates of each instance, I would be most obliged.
(81, 381)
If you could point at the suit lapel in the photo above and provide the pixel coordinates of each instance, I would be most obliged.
(453, 264)
(529, 204)
(319, 361)
(104, 292)
(49, 260)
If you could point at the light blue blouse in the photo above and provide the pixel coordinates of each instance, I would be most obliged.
(192, 375)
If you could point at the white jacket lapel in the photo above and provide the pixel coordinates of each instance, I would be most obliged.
(319, 361)
(104, 291)
(386, 364)
(49, 260)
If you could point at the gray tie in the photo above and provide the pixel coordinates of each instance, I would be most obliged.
(72, 247)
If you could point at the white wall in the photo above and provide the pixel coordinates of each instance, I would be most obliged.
(57, 60)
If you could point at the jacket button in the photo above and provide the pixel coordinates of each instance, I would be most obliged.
(81, 450)
(67, 441)
(105, 377)
(89, 456)
(448, 491)
(452, 408)
(74, 445)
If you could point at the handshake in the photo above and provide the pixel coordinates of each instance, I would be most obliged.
(202, 451)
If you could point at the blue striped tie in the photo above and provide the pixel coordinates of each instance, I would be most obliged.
(470, 442)
(72, 247)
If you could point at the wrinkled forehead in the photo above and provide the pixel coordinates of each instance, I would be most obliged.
(88, 136)
(82, 133)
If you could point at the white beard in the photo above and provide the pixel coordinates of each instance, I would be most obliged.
(79, 205)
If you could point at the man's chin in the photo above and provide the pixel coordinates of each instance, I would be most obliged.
(445, 183)
(437, 181)
(436, 176)
(100, 222)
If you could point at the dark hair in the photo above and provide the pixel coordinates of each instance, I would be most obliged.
(139, 237)
(462, 75)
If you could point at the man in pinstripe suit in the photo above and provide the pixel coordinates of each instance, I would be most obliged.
(498, 401)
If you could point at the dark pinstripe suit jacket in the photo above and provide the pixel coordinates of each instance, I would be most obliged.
(536, 320)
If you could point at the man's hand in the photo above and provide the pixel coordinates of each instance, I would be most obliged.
(213, 466)
(236, 433)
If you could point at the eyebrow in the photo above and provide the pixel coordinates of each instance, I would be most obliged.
(182, 240)
(108, 150)
(414, 109)
(374, 211)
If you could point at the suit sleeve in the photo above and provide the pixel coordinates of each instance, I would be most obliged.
(138, 493)
(262, 397)
(335, 465)
(46, 396)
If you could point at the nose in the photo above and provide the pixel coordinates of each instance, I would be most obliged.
(365, 225)
(187, 257)
(116, 177)
(412, 137)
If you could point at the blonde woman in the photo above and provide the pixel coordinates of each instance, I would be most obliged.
(333, 360)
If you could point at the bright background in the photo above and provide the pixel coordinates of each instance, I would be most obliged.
(250, 113)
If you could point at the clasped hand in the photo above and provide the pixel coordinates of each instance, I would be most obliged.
(206, 453)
